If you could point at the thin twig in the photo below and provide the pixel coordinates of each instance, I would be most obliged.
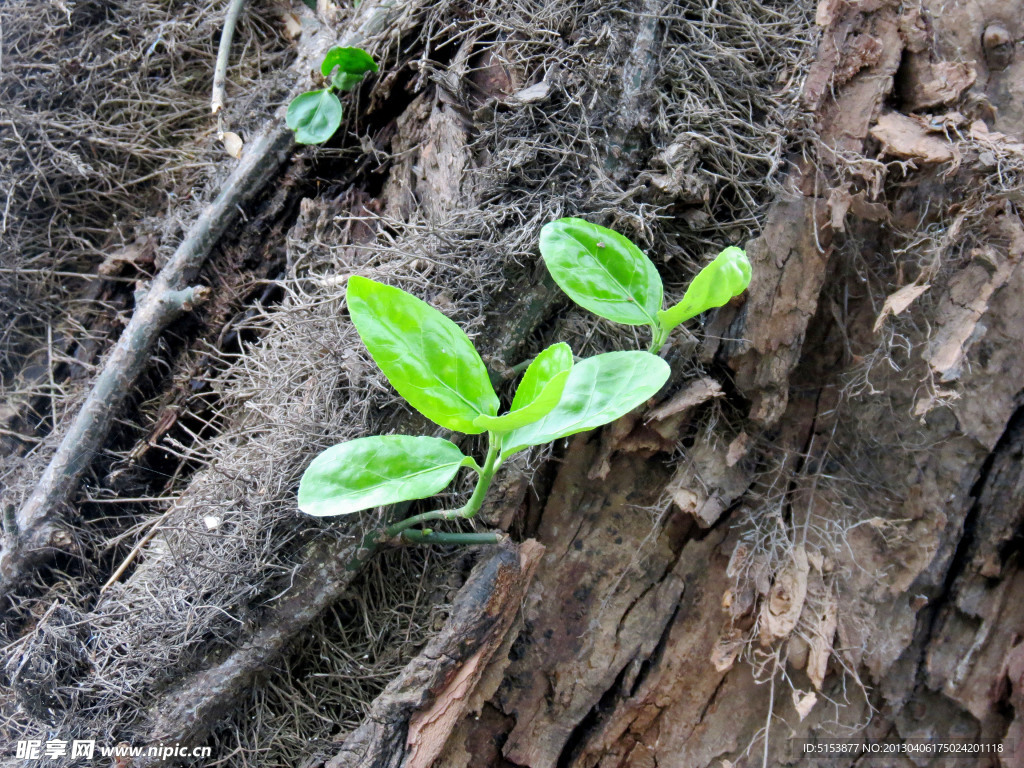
(223, 54)
(153, 528)
(771, 706)
(49, 367)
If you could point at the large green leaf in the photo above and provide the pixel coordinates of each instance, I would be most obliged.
(314, 116)
(427, 358)
(538, 392)
(370, 471)
(600, 389)
(602, 271)
(727, 276)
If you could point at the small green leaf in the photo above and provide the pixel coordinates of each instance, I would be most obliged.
(600, 389)
(727, 276)
(427, 358)
(602, 271)
(353, 61)
(314, 116)
(345, 81)
(538, 392)
(370, 471)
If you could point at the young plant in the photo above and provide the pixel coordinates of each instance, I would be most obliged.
(604, 272)
(432, 363)
(316, 115)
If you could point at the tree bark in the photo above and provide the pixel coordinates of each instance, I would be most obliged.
(693, 645)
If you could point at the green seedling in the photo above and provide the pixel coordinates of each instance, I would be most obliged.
(432, 363)
(316, 115)
(604, 272)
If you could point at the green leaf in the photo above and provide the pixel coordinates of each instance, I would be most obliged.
(314, 116)
(600, 389)
(427, 358)
(538, 392)
(727, 276)
(345, 81)
(353, 61)
(602, 271)
(370, 471)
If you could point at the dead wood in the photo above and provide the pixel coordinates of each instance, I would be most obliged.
(983, 612)
(410, 722)
(797, 242)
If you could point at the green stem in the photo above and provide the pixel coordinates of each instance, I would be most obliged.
(659, 336)
(483, 483)
(519, 368)
(417, 536)
(470, 508)
(425, 517)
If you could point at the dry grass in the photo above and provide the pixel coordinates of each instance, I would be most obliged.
(104, 129)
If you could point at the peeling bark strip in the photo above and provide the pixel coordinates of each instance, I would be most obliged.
(845, 87)
(606, 589)
(40, 529)
(410, 722)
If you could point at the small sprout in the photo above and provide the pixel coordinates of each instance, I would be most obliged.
(352, 64)
(316, 115)
(539, 391)
(727, 276)
(432, 363)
